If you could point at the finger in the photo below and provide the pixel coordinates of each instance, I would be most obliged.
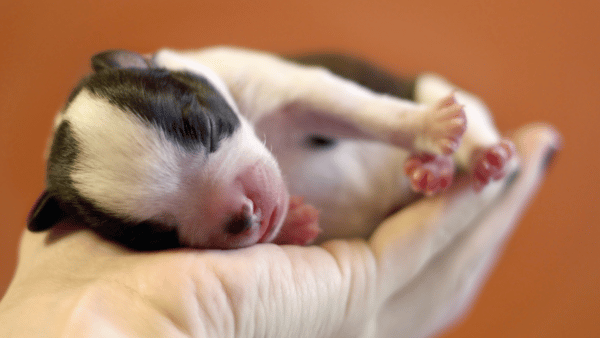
(405, 242)
(278, 291)
(446, 287)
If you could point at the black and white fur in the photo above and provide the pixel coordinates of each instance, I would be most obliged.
(155, 153)
(144, 154)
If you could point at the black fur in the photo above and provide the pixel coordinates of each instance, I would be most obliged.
(119, 58)
(45, 213)
(190, 111)
(362, 72)
(55, 203)
(62, 200)
(187, 107)
(147, 235)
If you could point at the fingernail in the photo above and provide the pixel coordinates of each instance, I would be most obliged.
(510, 179)
(553, 143)
(549, 158)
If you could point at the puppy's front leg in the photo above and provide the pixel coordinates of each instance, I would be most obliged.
(316, 100)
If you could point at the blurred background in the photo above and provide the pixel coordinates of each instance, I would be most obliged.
(529, 60)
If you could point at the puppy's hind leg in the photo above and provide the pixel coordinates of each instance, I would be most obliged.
(439, 128)
(487, 155)
(428, 173)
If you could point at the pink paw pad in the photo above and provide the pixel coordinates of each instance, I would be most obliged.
(490, 163)
(301, 225)
(429, 174)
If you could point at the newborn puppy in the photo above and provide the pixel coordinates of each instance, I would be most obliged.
(155, 159)
(154, 152)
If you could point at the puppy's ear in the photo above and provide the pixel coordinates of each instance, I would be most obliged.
(45, 213)
(119, 58)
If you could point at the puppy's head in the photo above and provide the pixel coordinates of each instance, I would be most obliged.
(157, 158)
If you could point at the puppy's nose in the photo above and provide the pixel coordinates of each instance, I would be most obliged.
(238, 224)
(243, 221)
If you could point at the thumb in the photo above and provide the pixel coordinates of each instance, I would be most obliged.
(448, 284)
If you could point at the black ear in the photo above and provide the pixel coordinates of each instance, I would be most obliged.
(119, 58)
(45, 213)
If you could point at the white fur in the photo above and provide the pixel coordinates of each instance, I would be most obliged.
(480, 132)
(262, 83)
(125, 164)
(130, 167)
(356, 183)
(175, 62)
(207, 192)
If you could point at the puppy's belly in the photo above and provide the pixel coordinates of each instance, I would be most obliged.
(354, 184)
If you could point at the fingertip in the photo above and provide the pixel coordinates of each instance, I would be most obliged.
(542, 134)
(538, 142)
(549, 158)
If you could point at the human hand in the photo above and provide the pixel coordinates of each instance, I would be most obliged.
(417, 273)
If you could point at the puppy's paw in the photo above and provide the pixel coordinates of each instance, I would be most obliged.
(444, 125)
(429, 174)
(491, 163)
(301, 225)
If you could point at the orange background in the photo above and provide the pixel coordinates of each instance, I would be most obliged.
(529, 60)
